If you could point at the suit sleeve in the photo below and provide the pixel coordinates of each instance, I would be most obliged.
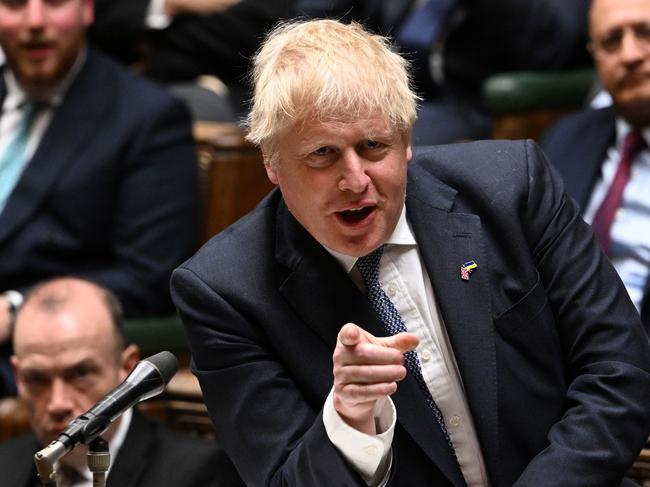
(269, 429)
(156, 213)
(605, 353)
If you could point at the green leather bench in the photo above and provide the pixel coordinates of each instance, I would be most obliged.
(524, 103)
(153, 334)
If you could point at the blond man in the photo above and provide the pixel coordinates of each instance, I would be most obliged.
(392, 316)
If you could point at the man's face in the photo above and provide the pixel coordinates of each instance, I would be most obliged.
(65, 361)
(344, 181)
(42, 38)
(620, 35)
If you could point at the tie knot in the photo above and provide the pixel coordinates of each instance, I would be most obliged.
(633, 143)
(368, 265)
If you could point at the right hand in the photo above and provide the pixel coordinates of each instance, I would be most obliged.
(367, 369)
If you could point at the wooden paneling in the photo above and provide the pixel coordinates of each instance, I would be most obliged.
(232, 175)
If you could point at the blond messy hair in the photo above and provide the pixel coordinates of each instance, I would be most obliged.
(325, 70)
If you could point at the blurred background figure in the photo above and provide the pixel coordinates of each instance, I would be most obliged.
(603, 154)
(69, 353)
(456, 44)
(98, 171)
(176, 41)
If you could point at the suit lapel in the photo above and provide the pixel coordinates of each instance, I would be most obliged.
(74, 122)
(446, 241)
(325, 298)
(131, 461)
(586, 158)
(318, 288)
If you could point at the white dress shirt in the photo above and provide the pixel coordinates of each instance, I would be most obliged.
(404, 278)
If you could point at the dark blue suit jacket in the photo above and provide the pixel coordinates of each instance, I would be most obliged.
(577, 146)
(552, 356)
(111, 193)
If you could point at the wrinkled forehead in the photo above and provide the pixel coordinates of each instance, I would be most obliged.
(611, 14)
(64, 353)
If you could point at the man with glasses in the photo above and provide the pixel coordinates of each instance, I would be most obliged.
(603, 154)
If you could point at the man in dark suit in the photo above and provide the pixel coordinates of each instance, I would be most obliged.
(107, 187)
(70, 353)
(467, 267)
(588, 147)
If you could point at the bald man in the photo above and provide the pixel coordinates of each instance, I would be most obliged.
(69, 352)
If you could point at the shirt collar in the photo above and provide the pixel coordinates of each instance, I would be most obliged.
(623, 128)
(402, 235)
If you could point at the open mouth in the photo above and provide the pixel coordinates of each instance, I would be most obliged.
(356, 214)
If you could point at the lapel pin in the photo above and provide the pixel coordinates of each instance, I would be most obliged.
(466, 269)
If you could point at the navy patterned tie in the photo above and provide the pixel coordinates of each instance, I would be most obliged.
(368, 266)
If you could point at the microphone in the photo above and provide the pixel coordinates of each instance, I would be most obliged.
(148, 378)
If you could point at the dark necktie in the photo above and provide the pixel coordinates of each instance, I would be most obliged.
(604, 217)
(368, 266)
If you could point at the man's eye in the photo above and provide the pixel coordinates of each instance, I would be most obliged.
(372, 144)
(322, 151)
(35, 380)
(13, 4)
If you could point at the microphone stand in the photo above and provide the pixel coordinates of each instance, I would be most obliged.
(99, 459)
(45, 460)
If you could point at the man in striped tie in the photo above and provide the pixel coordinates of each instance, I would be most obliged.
(391, 315)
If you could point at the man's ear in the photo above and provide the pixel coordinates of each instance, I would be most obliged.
(271, 171)
(129, 358)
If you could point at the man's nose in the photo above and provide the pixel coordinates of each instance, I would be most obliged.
(632, 49)
(60, 404)
(35, 13)
(353, 176)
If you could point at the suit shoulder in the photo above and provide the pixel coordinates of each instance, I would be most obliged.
(23, 442)
(569, 126)
(247, 243)
(133, 88)
(472, 161)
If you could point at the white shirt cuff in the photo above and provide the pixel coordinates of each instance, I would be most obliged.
(156, 17)
(368, 454)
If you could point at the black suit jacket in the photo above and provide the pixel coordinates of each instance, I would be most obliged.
(152, 455)
(111, 193)
(550, 349)
(577, 146)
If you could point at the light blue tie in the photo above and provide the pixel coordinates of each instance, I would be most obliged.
(12, 161)
(368, 266)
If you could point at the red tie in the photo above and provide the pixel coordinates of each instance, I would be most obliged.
(604, 217)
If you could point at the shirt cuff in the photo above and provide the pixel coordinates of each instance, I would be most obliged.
(368, 454)
(155, 17)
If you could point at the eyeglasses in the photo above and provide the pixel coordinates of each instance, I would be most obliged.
(611, 42)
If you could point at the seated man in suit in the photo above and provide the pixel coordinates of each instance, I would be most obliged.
(392, 316)
(98, 173)
(603, 154)
(69, 353)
